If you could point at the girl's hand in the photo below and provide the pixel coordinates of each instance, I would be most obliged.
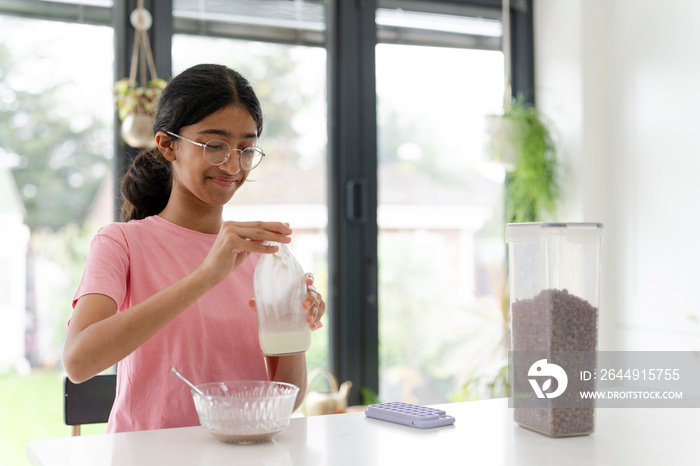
(314, 303)
(235, 242)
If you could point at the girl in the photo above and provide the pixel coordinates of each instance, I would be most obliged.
(171, 284)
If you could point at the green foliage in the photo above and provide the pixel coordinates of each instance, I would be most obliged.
(137, 99)
(532, 188)
(369, 396)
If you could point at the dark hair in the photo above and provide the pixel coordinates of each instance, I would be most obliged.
(188, 98)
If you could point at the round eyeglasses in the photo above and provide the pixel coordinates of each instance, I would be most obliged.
(218, 152)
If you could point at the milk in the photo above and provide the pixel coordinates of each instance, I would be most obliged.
(281, 343)
(280, 289)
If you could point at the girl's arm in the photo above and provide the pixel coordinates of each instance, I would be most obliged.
(98, 337)
(289, 369)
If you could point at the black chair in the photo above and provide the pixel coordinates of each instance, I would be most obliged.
(89, 402)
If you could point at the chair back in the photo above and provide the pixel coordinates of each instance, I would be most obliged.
(89, 402)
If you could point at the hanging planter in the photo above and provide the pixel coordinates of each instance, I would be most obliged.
(136, 106)
(137, 103)
(499, 141)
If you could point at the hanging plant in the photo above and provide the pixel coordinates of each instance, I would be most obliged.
(522, 141)
(532, 188)
(136, 107)
(137, 99)
(136, 104)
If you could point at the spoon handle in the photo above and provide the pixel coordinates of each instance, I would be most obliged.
(187, 381)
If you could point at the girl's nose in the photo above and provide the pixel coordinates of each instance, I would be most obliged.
(232, 165)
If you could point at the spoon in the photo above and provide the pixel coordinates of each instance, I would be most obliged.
(187, 381)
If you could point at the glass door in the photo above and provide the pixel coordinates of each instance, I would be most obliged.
(440, 243)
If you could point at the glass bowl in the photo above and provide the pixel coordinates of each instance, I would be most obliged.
(245, 411)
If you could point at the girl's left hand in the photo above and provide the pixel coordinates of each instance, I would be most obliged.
(314, 303)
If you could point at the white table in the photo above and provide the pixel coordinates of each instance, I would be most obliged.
(484, 434)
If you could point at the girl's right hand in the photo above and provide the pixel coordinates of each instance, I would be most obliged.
(235, 242)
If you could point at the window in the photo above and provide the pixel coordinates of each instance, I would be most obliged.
(440, 244)
(56, 97)
(57, 142)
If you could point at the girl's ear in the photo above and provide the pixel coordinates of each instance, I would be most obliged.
(166, 146)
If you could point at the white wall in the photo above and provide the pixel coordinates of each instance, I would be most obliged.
(620, 81)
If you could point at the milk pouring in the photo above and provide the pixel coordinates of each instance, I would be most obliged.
(280, 289)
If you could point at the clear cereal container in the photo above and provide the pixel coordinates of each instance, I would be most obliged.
(554, 280)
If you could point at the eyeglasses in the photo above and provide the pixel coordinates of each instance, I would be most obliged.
(218, 152)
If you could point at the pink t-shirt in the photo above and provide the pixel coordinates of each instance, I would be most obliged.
(215, 339)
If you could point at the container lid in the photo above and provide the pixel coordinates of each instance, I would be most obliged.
(534, 231)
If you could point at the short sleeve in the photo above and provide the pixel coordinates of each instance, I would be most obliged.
(107, 267)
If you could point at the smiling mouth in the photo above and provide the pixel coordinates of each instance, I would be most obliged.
(225, 181)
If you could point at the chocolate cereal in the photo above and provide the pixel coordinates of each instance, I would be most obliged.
(556, 321)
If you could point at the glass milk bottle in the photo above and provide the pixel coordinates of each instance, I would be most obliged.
(280, 289)
(554, 279)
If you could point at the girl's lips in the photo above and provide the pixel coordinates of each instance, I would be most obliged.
(224, 181)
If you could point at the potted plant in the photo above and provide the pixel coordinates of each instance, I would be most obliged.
(136, 107)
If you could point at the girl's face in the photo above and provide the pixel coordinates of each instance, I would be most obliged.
(194, 179)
